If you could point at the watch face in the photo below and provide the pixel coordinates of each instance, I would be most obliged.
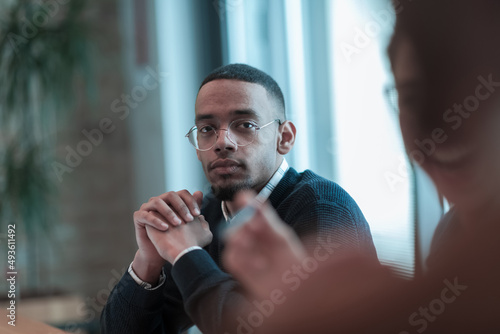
(146, 285)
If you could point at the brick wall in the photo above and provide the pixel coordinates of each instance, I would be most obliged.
(95, 237)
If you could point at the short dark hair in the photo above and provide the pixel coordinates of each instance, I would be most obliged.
(246, 73)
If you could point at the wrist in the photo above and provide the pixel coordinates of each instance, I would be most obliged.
(146, 285)
(187, 250)
(175, 253)
(147, 270)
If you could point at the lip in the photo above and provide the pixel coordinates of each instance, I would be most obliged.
(454, 171)
(453, 159)
(225, 166)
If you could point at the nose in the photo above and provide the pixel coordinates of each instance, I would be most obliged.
(224, 142)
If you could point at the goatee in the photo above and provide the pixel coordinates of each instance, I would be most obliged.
(228, 193)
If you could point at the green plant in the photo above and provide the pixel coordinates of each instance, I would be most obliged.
(44, 53)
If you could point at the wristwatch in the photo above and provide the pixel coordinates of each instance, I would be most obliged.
(146, 285)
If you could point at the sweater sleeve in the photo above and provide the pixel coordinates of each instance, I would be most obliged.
(212, 298)
(133, 309)
(196, 290)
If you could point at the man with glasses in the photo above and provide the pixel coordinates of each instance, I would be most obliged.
(241, 136)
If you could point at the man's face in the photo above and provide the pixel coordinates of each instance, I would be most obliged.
(228, 167)
(464, 162)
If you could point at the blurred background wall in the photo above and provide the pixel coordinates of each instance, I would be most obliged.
(65, 268)
(120, 138)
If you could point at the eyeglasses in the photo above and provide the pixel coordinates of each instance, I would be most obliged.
(408, 99)
(391, 95)
(241, 132)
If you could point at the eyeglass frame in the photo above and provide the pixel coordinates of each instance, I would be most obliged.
(217, 131)
(391, 96)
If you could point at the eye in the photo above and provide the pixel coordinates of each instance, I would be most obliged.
(245, 125)
(412, 103)
(411, 98)
(206, 129)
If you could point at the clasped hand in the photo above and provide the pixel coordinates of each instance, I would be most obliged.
(170, 223)
(174, 240)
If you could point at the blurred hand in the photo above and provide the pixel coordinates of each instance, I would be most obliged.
(261, 250)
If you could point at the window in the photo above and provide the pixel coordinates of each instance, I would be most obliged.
(329, 58)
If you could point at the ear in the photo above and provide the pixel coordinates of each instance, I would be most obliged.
(286, 137)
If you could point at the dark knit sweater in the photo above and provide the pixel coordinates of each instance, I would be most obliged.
(198, 290)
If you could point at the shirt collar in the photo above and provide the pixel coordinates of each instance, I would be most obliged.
(264, 194)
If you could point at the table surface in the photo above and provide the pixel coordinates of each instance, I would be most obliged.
(25, 325)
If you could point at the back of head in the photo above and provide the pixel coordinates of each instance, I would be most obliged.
(246, 73)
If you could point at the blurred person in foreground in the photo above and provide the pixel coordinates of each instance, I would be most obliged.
(445, 57)
(241, 136)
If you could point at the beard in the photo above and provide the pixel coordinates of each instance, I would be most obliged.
(227, 193)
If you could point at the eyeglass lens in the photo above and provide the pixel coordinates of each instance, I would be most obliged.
(241, 133)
